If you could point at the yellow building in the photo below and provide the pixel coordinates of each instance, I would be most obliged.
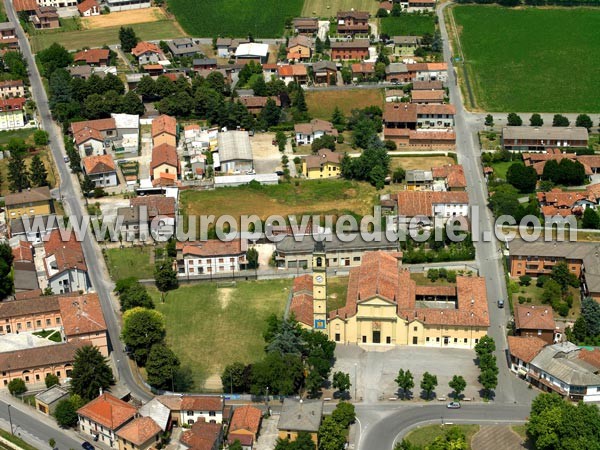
(300, 416)
(32, 202)
(325, 164)
(385, 306)
(299, 48)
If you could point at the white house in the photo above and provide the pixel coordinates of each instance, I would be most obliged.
(252, 50)
(125, 5)
(101, 170)
(308, 132)
(12, 115)
(89, 142)
(66, 269)
(211, 257)
(89, 8)
(57, 3)
(194, 407)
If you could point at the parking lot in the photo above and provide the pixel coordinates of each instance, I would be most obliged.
(377, 368)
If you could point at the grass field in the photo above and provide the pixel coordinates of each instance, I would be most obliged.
(47, 162)
(210, 327)
(535, 293)
(123, 18)
(237, 18)
(17, 440)
(309, 197)
(322, 103)
(516, 59)
(424, 436)
(73, 40)
(130, 262)
(419, 162)
(408, 25)
(326, 9)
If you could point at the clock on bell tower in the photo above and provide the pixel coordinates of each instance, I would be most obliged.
(319, 287)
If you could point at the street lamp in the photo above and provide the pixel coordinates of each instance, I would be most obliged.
(355, 381)
(10, 420)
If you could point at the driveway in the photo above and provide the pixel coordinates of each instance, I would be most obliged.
(268, 434)
(323, 29)
(377, 368)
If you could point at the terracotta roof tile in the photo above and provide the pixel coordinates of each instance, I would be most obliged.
(400, 112)
(534, 318)
(422, 95)
(525, 348)
(173, 402)
(303, 283)
(85, 134)
(33, 358)
(164, 154)
(25, 5)
(139, 430)
(98, 124)
(81, 314)
(453, 173)
(30, 306)
(201, 403)
(145, 47)
(302, 308)
(23, 252)
(323, 156)
(86, 5)
(420, 203)
(98, 164)
(202, 436)
(92, 56)
(164, 124)
(211, 247)
(157, 205)
(590, 356)
(68, 254)
(108, 410)
(246, 418)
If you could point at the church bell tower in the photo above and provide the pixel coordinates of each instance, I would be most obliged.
(319, 266)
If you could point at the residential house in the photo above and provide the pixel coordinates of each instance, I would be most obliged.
(204, 64)
(201, 408)
(324, 72)
(203, 436)
(211, 257)
(183, 47)
(538, 258)
(306, 25)
(298, 416)
(522, 350)
(12, 114)
(93, 57)
(405, 45)
(428, 97)
(126, 5)
(66, 269)
(85, 71)
(535, 321)
(12, 89)
(164, 163)
(350, 50)
(353, 22)
(226, 47)
(538, 160)
(541, 138)
(417, 206)
(252, 51)
(419, 125)
(33, 229)
(164, 131)
(156, 215)
(299, 48)
(397, 73)
(103, 417)
(567, 369)
(26, 6)
(88, 134)
(89, 8)
(362, 71)
(24, 271)
(419, 180)
(421, 5)
(564, 203)
(293, 73)
(153, 70)
(269, 72)
(156, 410)
(142, 433)
(128, 134)
(324, 164)
(147, 53)
(450, 177)
(306, 133)
(46, 401)
(235, 152)
(429, 71)
(32, 202)
(427, 85)
(45, 18)
(256, 104)
(394, 95)
(244, 426)
(101, 170)
(8, 35)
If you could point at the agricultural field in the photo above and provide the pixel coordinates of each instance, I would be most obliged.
(210, 325)
(322, 103)
(515, 59)
(319, 8)
(237, 18)
(408, 25)
(74, 40)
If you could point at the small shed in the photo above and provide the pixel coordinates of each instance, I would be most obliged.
(46, 401)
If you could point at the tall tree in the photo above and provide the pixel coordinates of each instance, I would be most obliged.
(485, 345)
(165, 277)
(405, 381)
(142, 328)
(6, 279)
(128, 39)
(90, 373)
(489, 380)
(132, 104)
(133, 294)
(235, 378)
(161, 367)
(563, 276)
(522, 177)
(39, 176)
(87, 185)
(560, 121)
(66, 414)
(458, 385)
(514, 120)
(18, 176)
(583, 120)
(331, 435)
(428, 384)
(489, 120)
(52, 58)
(344, 414)
(270, 114)
(341, 382)
(536, 120)
(590, 310)
(590, 219)
(338, 120)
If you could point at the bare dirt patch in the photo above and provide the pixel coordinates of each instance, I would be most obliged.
(123, 18)
(225, 296)
(420, 162)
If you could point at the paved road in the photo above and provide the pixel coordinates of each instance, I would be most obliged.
(72, 202)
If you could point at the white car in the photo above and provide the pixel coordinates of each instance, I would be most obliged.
(453, 405)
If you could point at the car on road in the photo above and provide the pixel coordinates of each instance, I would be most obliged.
(66, 159)
(87, 446)
(453, 405)
(500, 303)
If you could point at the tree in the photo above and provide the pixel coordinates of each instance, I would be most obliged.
(53, 58)
(325, 141)
(235, 378)
(489, 120)
(90, 373)
(161, 366)
(51, 380)
(6, 279)
(521, 177)
(281, 140)
(590, 311)
(331, 435)
(128, 39)
(165, 277)
(66, 414)
(132, 104)
(341, 382)
(524, 280)
(398, 175)
(583, 120)
(283, 374)
(39, 176)
(590, 219)
(489, 380)
(87, 185)
(17, 386)
(252, 257)
(458, 385)
(270, 114)
(318, 45)
(485, 345)
(338, 120)
(580, 330)
(40, 137)
(142, 328)
(405, 381)
(536, 120)
(514, 120)
(133, 294)
(344, 414)
(18, 176)
(313, 384)
(237, 445)
(428, 384)
(563, 276)
(560, 121)
(287, 340)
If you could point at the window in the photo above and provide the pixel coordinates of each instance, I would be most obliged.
(476, 341)
(37, 377)
(212, 413)
(414, 328)
(38, 323)
(437, 339)
(28, 324)
(19, 326)
(57, 320)
(190, 413)
(337, 337)
(364, 339)
(388, 340)
(539, 332)
(48, 322)
(465, 340)
(58, 373)
(427, 339)
(455, 339)
(27, 379)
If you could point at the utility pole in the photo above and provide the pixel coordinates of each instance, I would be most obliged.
(10, 420)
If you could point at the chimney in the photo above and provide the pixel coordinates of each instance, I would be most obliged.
(100, 392)
(528, 313)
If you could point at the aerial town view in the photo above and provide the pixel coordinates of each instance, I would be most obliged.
(299, 225)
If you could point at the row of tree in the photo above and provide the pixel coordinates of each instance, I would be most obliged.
(488, 368)
(536, 120)
(429, 382)
(6, 278)
(511, 3)
(434, 250)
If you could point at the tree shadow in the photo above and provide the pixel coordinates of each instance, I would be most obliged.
(426, 396)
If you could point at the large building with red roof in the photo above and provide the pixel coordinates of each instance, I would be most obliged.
(66, 269)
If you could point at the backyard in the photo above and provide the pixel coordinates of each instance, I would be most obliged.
(322, 103)
(532, 295)
(515, 58)
(408, 25)
(4, 181)
(337, 288)
(209, 326)
(130, 262)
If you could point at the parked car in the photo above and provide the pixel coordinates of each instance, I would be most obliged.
(500, 303)
(87, 446)
(453, 405)
(66, 159)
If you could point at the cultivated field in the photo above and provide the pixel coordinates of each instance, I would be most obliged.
(517, 61)
(322, 103)
(121, 18)
(326, 9)
(408, 25)
(237, 18)
(73, 40)
(210, 327)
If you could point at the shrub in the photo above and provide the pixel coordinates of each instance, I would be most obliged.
(451, 276)
(521, 299)
(541, 280)
(563, 309)
(525, 280)
(433, 274)
(17, 386)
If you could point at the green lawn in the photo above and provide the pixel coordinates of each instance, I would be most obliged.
(16, 440)
(500, 168)
(319, 8)
(24, 133)
(322, 103)
(73, 40)
(424, 436)
(53, 335)
(408, 25)
(516, 58)
(210, 327)
(236, 18)
(130, 262)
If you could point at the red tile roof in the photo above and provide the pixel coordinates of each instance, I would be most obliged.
(68, 254)
(453, 173)
(302, 308)
(92, 56)
(164, 124)
(85, 134)
(246, 418)
(202, 436)
(145, 47)
(211, 247)
(25, 5)
(81, 314)
(422, 95)
(400, 112)
(157, 205)
(86, 5)
(40, 357)
(98, 164)
(23, 251)
(590, 356)
(525, 348)
(420, 203)
(12, 104)
(98, 124)
(294, 70)
(534, 318)
(323, 156)
(164, 154)
(201, 403)
(303, 283)
(139, 430)
(363, 67)
(108, 410)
